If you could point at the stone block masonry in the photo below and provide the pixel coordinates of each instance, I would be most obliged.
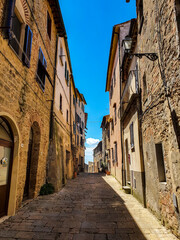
(24, 103)
(161, 110)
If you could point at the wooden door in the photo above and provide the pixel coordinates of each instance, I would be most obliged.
(6, 159)
(5, 174)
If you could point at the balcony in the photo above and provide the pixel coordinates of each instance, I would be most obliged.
(130, 91)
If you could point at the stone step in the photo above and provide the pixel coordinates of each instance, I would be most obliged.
(127, 189)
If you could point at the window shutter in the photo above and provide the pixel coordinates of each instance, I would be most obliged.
(10, 14)
(132, 135)
(27, 46)
(65, 70)
(116, 152)
(68, 77)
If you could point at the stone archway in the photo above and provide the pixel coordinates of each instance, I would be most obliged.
(11, 204)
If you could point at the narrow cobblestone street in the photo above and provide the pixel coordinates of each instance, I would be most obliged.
(90, 207)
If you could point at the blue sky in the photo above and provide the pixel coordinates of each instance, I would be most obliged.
(89, 28)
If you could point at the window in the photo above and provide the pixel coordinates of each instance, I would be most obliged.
(61, 54)
(20, 37)
(112, 126)
(78, 140)
(160, 162)
(65, 70)
(136, 79)
(17, 30)
(60, 103)
(49, 25)
(67, 116)
(111, 90)
(114, 76)
(82, 142)
(74, 100)
(112, 154)
(82, 106)
(41, 71)
(74, 128)
(145, 92)
(141, 16)
(115, 149)
(67, 77)
(115, 114)
(177, 4)
(108, 134)
(132, 136)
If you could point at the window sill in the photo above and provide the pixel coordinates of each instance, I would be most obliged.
(163, 183)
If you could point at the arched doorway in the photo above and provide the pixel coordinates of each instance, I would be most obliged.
(32, 162)
(6, 153)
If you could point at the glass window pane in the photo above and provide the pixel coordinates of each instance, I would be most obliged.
(5, 154)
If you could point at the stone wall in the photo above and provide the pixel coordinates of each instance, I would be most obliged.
(23, 100)
(161, 109)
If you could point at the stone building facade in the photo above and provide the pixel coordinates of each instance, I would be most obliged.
(27, 62)
(113, 87)
(90, 167)
(60, 161)
(149, 98)
(133, 165)
(159, 32)
(80, 126)
(105, 125)
(97, 157)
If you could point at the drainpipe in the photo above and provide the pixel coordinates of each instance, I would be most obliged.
(52, 102)
(52, 109)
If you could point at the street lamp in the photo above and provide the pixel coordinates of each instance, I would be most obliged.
(127, 45)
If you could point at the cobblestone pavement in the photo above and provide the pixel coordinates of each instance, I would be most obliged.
(90, 207)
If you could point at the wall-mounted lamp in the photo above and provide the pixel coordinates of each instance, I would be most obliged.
(127, 45)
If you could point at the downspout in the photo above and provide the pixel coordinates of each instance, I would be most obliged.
(52, 102)
(52, 109)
